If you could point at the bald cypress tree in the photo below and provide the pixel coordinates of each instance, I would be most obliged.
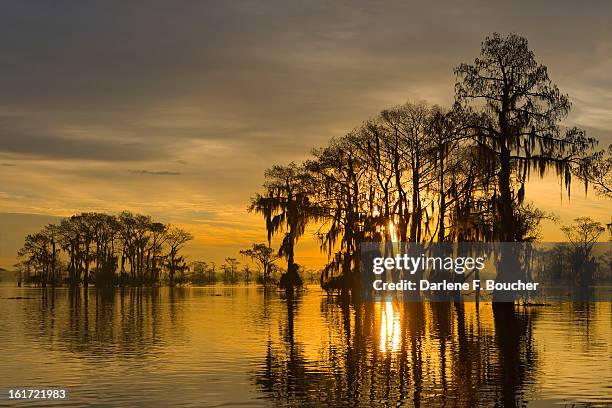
(518, 129)
(286, 207)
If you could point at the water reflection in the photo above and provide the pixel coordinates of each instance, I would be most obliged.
(131, 322)
(246, 346)
(395, 354)
(285, 376)
(389, 327)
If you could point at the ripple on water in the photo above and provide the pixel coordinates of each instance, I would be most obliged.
(189, 347)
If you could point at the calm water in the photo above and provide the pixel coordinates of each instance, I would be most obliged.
(232, 346)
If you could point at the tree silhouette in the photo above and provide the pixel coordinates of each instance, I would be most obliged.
(264, 256)
(99, 245)
(40, 255)
(582, 235)
(517, 129)
(176, 239)
(596, 170)
(420, 173)
(230, 269)
(286, 208)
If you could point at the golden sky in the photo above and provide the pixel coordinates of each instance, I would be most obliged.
(176, 109)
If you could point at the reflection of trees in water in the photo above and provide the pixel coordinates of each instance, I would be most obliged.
(384, 354)
(124, 322)
(284, 376)
(517, 354)
(581, 316)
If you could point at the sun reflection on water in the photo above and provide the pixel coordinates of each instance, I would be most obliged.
(390, 328)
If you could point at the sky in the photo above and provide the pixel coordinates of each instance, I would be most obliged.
(175, 109)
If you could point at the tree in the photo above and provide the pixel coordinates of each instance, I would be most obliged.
(176, 240)
(596, 170)
(286, 207)
(345, 202)
(212, 272)
(583, 234)
(518, 128)
(312, 275)
(247, 273)
(40, 254)
(410, 147)
(424, 173)
(264, 256)
(105, 233)
(37, 252)
(158, 237)
(231, 268)
(94, 242)
(86, 230)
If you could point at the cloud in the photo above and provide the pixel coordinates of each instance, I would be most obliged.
(35, 142)
(273, 79)
(156, 173)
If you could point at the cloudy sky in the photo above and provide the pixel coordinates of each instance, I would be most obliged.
(175, 109)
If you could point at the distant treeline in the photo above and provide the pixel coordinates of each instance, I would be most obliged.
(571, 265)
(230, 272)
(576, 262)
(423, 173)
(106, 250)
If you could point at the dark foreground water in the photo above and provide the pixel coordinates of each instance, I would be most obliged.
(239, 346)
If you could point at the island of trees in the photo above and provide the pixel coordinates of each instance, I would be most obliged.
(132, 250)
(105, 250)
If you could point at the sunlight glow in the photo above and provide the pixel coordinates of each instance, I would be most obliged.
(392, 232)
(390, 328)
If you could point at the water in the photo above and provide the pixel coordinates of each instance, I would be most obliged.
(239, 346)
